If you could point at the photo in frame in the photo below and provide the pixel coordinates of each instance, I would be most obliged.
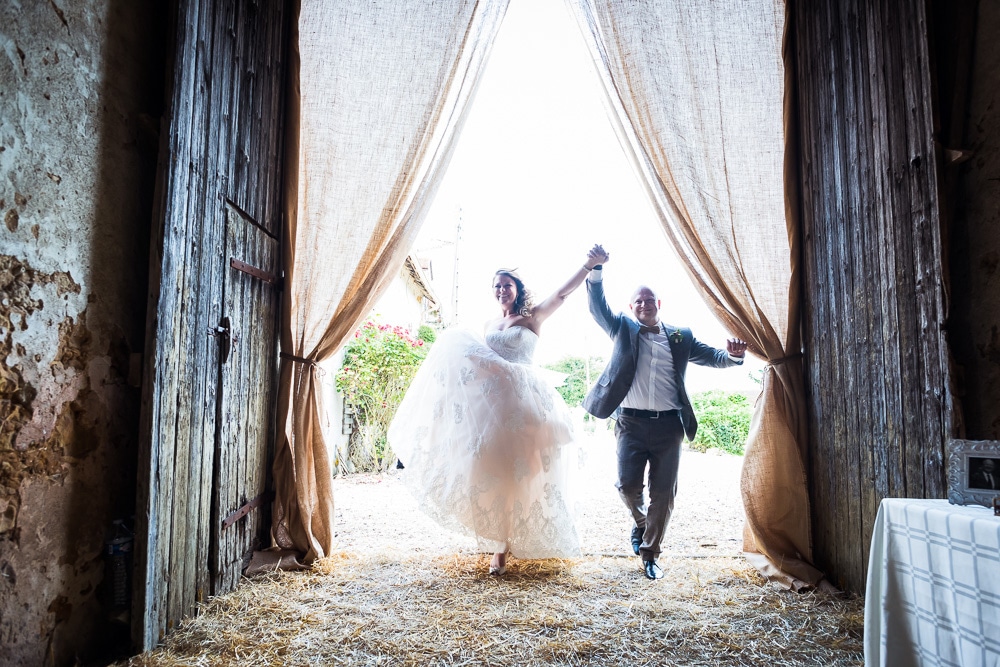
(973, 472)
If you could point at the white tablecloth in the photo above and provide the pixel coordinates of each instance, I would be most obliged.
(933, 593)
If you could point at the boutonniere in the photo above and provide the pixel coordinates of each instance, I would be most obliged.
(676, 336)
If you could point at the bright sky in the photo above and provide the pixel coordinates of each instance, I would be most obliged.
(537, 178)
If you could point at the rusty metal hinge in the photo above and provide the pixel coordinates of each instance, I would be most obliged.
(260, 274)
(243, 511)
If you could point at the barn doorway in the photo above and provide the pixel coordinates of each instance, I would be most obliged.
(537, 176)
(342, 276)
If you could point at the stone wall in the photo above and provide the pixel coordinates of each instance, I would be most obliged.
(81, 89)
(974, 329)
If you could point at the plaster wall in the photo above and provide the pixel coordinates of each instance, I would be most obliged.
(80, 95)
(975, 256)
(402, 304)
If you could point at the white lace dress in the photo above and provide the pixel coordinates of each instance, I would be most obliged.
(486, 445)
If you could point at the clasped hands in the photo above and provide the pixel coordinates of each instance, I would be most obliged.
(596, 255)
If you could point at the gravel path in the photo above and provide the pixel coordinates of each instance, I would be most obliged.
(376, 514)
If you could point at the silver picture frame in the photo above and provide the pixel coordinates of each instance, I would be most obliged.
(970, 464)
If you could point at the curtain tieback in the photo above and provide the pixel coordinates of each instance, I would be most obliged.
(781, 360)
(303, 360)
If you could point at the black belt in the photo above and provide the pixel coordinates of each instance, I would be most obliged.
(650, 414)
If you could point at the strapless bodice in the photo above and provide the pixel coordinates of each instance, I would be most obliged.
(515, 344)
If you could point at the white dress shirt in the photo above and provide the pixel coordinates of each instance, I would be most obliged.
(655, 384)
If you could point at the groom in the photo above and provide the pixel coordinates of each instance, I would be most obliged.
(644, 382)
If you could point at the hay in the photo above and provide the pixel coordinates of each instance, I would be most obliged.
(404, 592)
(358, 610)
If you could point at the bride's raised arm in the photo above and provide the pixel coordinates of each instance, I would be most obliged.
(595, 256)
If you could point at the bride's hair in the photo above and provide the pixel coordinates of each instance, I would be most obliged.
(525, 301)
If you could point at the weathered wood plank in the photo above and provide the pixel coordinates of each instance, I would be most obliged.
(869, 405)
(167, 370)
(872, 269)
(860, 301)
(814, 372)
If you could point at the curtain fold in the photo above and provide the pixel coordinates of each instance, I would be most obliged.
(378, 91)
(697, 93)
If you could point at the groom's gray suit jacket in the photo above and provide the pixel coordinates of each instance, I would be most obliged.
(613, 385)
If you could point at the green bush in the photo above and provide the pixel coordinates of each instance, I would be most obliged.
(379, 364)
(426, 334)
(576, 385)
(723, 421)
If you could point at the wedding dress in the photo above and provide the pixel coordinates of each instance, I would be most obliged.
(487, 445)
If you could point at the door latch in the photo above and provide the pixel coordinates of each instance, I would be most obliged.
(227, 339)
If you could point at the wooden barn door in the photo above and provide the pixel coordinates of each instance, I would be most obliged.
(209, 383)
(246, 398)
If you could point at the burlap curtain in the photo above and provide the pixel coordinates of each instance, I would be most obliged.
(696, 90)
(378, 91)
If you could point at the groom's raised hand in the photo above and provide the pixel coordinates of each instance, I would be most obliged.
(597, 255)
(736, 347)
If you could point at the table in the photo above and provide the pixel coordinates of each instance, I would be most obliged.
(933, 590)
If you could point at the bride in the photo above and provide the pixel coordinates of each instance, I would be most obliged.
(484, 439)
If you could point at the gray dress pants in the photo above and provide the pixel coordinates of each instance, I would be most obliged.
(656, 443)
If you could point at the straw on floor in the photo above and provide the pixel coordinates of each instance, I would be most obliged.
(404, 592)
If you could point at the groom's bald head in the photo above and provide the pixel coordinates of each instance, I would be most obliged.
(643, 288)
(645, 306)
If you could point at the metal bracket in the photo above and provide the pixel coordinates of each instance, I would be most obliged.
(260, 274)
(243, 511)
